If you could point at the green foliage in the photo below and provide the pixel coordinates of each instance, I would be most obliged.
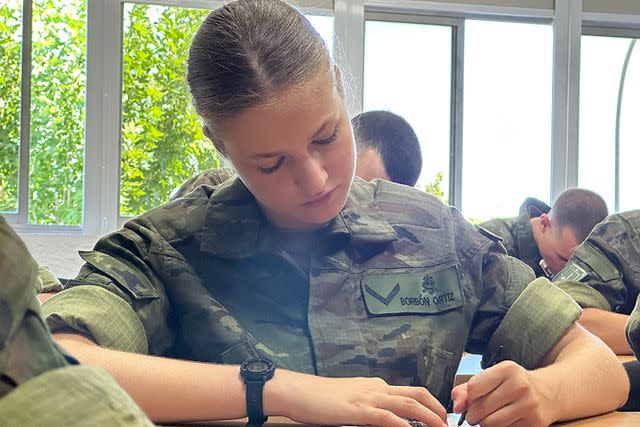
(10, 38)
(435, 188)
(162, 142)
(57, 112)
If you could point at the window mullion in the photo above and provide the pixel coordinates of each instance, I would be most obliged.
(457, 104)
(25, 114)
(349, 48)
(567, 29)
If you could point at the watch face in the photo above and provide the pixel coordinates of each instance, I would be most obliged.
(258, 367)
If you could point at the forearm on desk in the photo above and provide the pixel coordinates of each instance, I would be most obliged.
(582, 377)
(608, 326)
(168, 390)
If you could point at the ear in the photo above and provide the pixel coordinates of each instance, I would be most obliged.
(545, 220)
(216, 142)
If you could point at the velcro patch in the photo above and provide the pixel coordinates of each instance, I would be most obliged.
(411, 290)
(572, 272)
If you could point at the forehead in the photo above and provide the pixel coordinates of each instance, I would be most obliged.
(293, 113)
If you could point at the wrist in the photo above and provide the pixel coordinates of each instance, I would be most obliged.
(277, 394)
(549, 390)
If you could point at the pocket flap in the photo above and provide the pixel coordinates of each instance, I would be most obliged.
(133, 280)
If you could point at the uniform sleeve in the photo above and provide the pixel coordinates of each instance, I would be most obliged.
(592, 279)
(118, 299)
(633, 329)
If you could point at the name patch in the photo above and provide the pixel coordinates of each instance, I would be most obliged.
(411, 290)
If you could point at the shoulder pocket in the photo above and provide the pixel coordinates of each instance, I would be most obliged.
(131, 279)
(411, 290)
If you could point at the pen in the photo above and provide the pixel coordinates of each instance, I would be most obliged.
(492, 361)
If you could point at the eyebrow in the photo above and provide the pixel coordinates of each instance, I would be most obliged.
(277, 154)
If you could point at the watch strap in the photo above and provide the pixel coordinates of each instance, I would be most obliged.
(254, 403)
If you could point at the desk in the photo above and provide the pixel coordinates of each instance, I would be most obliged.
(470, 365)
(613, 419)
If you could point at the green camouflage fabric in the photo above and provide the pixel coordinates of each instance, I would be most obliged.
(606, 266)
(210, 177)
(633, 329)
(516, 233)
(397, 286)
(38, 384)
(48, 281)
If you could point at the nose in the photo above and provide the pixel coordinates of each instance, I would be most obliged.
(311, 176)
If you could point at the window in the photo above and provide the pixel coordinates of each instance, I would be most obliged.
(609, 126)
(55, 113)
(162, 142)
(507, 116)
(407, 70)
(10, 48)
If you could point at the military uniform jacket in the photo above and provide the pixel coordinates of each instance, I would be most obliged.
(608, 262)
(517, 235)
(396, 286)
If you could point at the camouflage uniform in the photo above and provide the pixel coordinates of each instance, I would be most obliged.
(396, 286)
(517, 235)
(39, 383)
(211, 177)
(608, 263)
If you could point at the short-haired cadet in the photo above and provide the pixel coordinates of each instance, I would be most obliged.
(608, 262)
(388, 148)
(544, 237)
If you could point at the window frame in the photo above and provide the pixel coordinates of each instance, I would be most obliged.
(104, 80)
(609, 27)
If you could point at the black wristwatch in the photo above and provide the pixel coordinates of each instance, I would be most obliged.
(255, 372)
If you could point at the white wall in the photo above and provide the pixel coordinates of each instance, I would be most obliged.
(59, 253)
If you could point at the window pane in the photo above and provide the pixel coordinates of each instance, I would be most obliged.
(507, 116)
(10, 47)
(324, 26)
(162, 143)
(630, 134)
(602, 62)
(407, 70)
(57, 112)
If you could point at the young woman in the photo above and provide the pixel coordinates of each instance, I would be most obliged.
(297, 262)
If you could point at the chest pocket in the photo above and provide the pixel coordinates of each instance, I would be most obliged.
(411, 291)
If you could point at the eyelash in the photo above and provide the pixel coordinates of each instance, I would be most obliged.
(278, 164)
(273, 168)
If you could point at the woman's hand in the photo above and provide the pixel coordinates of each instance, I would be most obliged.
(504, 395)
(359, 401)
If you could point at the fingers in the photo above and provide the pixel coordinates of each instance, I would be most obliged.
(409, 407)
(422, 396)
(486, 381)
(459, 397)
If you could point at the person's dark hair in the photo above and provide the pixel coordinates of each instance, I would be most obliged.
(580, 210)
(394, 138)
(247, 51)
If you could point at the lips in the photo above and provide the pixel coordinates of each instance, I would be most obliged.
(319, 201)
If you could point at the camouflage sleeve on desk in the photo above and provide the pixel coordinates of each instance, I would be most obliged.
(98, 313)
(534, 324)
(633, 329)
(585, 295)
(72, 397)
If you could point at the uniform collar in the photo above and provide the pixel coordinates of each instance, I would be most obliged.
(236, 228)
(527, 247)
